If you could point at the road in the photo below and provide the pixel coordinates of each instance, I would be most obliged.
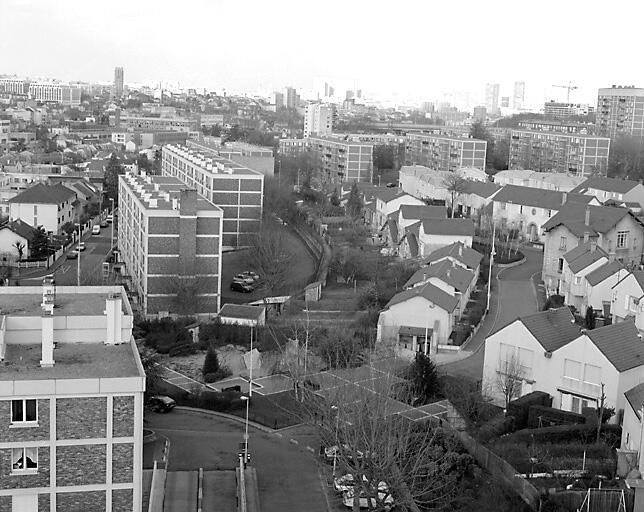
(516, 296)
(287, 473)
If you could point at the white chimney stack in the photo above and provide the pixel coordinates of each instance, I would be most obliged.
(47, 328)
(113, 312)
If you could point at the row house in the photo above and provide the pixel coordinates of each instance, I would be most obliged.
(49, 206)
(426, 183)
(560, 182)
(578, 263)
(613, 189)
(405, 216)
(425, 236)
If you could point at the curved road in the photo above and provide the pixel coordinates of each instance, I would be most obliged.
(516, 296)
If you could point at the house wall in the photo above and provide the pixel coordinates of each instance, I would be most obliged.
(7, 240)
(596, 296)
(45, 215)
(632, 432)
(574, 291)
(384, 209)
(636, 194)
(414, 312)
(430, 243)
(627, 287)
(522, 217)
(552, 251)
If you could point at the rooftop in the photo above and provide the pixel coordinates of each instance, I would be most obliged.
(241, 312)
(621, 344)
(466, 255)
(635, 397)
(412, 211)
(454, 227)
(602, 218)
(538, 197)
(607, 184)
(429, 292)
(72, 361)
(218, 166)
(583, 256)
(66, 304)
(605, 271)
(453, 275)
(44, 194)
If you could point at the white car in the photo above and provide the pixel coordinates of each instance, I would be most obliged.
(332, 451)
(345, 482)
(96, 230)
(384, 497)
(110, 218)
(80, 246)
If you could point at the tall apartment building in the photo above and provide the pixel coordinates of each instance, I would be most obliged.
(620, 111)
(143, 123)
(118, 82)
(564, 109)
(16, 86)
(518, 96)
(237, 190)
(55, 93)
(169, 238)
(443, 152)
(577, 154)
(318, 119)
(291, 98)
(71, 400)
(5, 129)
(338, 160)
(277, 99)
(492, 98)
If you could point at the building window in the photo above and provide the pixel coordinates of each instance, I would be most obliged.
(562, 243)
(534, 211)
(560, 265)
(577, 279)
(502, 206)
(24, 411)
(24, 459)
(622, 239)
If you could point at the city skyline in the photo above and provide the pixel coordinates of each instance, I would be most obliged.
(273, 48)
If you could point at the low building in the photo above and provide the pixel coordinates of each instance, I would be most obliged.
(71, 400)
(599, 287)
(425, 183)
(459, 254)
(49, 206)
(143, 123)
(426, 236)
(578, 263)
(443, 152)
(627, 302)
(15, 238)
(55, 93)
(236, 314)
(170, 240)
(632, 425)
(389, 201)
(561, 182)
(607, 189)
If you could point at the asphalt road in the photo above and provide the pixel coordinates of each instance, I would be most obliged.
(516, 296)
(287, 473)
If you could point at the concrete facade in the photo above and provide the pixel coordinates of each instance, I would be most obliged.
(444, 153)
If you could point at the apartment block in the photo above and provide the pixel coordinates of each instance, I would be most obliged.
(170, 240)
(318, 119)
(143, 123)
(5, 129)
(236, 189)
(444, 153)
(257, 158)
(14, 86)
(71, 400)
(55, 93)
(577, 154)
(539, 125)
(118, 82)
(518, 96)
(565, 109)
(620, 111)
(339, 160)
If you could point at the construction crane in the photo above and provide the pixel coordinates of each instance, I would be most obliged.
(569, 88)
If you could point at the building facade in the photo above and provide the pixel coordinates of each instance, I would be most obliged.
(71, 433)
(519, 95)
(444, 153)
(564, 109)
(620, 111)
(339, 160)
(237, 190)
(143, 123)
(580, 155)
(15, 86)
(170, 241)
(55, 93)
(492, 98)
(49, 206)
(318, 119)
(118, 82)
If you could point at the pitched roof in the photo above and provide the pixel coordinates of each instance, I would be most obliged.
(429, 292)
(552, 329)
(393, 229)
(602, 218)
(241, 312)
(604, 272)
(608, 184)
(20, 228)
(635, 397)
(448, 227)
(481, 188)
(460, 252)
(417, 211)
(538, 197)
(453, 275)
(44, 194)
(583, 256)
(620, 343)
(387, 194)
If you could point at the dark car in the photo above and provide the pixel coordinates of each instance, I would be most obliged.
(161, 403)
(104, 224)
(72, 255)
(237, 286)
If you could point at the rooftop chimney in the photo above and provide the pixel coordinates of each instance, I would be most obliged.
(564, 197)
(460, 250)
(113, 311)
(587, 219)
(586, 236)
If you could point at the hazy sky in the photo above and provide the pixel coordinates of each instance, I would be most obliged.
(405, 48)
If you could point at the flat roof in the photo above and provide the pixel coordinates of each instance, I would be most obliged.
(71, 361)
(561, 134)
(443, 136)
(221, 167)
(65, 304)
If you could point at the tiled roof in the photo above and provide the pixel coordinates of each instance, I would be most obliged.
(447, 272)
(466, 255)
(604, 272)
(387, 194)
(454, 227)
(431, 293)
(481, 188)
(583, 256)
(241, 312)
(20, 228)
(620, 343)
(44, 194)
(602, 218)
(538, 197)
(416, 211)
(635, 397)
(607, 184)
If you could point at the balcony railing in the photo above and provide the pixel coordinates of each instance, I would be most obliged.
(581, 387)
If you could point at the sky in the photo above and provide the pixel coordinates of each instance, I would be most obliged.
(422, 50)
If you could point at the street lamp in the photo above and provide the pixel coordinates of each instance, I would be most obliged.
(337, 447)
(78, 253)
(489, 277)
(247, 400)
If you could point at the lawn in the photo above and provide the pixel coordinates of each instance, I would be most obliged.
(274, 411)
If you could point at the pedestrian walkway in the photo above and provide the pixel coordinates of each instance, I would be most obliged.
(182, 381)
(181, 488)
(219, 491)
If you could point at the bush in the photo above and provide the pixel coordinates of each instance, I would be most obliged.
(184, 349)
(210, 363)
(610, 434)
(496, 427)
(551, 417)
(222, 373)
(520, 408)
(553, 302)
(221, 401)
(165, 333)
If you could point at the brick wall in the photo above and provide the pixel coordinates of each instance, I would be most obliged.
(208, 225)
(91, 501)
(168, 265)
(188, 245)
(163, 225)
(81, 418)
(9, 481)
(122, 463)
(163, 245)
(80, 464)
(27, 433)
(207, 245)
(122, 500)
(123, 416)
(43, 503)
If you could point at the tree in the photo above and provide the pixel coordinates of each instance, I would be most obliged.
(424, 378)
(355, 205)
(347, 264)
(151, 366)
(271, 258)
(143, 163)
(509, 379)
(601, 403)
(338, 348)
(111, 178)
(39, 244)
(590, 318)
(335, 198)
(455, 184)
(211, 362)
(20, 247)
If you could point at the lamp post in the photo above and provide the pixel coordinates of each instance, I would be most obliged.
(247, 400)
(337, 447)
(489, 277)
(78, 254)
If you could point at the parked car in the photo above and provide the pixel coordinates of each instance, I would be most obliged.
(110, 218)
(104, 224)
(237, 286)
(383, 495)
(241, 278)
(161, 403)
(346, 482)
(72, 255)
(96, 230)
(81, 246)
(332, 451)
(252, 275)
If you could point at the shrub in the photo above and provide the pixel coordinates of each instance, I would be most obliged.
(218, 401)
(551, 417)
(496, 427)
(520, 408)
(553, 302)
(610, 434)
(165, 333)
(211, 362)
(222, 373)
(184, 349)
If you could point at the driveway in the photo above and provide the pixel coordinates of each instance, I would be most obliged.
(516, 295)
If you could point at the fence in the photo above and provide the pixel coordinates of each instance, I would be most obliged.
(595, 500)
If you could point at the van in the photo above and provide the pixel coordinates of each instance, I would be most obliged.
(96, 229)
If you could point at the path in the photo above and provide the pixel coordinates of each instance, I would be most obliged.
(516, 296)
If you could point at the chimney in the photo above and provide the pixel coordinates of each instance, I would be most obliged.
(113, 311)
(564, 198)
(593, 246)
(586, 236)
(587, 219)
(460, 250)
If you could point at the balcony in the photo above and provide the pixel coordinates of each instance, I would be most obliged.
(578, 386)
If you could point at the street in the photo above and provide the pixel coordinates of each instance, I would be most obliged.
(287, 472)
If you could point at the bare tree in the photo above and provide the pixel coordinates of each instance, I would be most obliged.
(509, 378)
(455, 184)
(601, 402)
(20, 247)
(271, 258)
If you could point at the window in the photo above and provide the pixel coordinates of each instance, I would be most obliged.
(562, 243)
(560, 265)
(534, 211)
(23, 411)
(502, 206)
(592, 374)
(24, 459)
(549, 213)
(622, 239)
(577, 279)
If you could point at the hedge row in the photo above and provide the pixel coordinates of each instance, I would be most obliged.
(520, 408)
(610, 434)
